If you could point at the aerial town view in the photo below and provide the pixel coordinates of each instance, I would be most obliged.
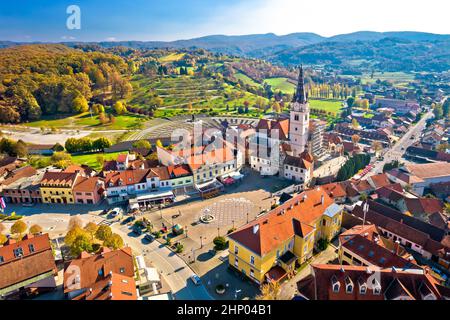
(240, 151)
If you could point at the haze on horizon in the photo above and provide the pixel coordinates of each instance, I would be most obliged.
(116, 20)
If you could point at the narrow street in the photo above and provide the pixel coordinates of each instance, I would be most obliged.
(174, 270)
(397, 151)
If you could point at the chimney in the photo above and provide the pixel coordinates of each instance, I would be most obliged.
(255, 228)
(322, 199)
(366, 235)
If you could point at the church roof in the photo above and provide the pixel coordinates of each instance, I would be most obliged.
(300, 95)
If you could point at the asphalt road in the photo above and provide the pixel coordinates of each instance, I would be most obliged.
(174, 270)
(397, 151)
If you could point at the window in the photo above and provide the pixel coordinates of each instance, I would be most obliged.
(236, 250)
(363, 289)
(335, 284)
(252, 273)
(348, 285)
(18, 252)
(252, 260)
(236, 263)
(31, 247)
(2, 259)
(122, 270)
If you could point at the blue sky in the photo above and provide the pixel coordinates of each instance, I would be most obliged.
(45, 20)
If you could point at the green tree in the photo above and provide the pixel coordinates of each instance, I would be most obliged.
(81, 243)
(103, 232)
(114, 241)
(145, 144)
(80, 104)
(220, 243)
(91, 228)
(101, 143)
(119, 108)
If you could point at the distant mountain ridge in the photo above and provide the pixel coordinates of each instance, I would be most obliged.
(261, 45)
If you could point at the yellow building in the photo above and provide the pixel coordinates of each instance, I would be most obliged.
(57, 187)
(271, 247)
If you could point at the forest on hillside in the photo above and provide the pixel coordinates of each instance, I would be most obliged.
(37, 80)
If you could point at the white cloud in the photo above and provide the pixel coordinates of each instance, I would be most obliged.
(67, 38)
(329, 17)
(111, 39)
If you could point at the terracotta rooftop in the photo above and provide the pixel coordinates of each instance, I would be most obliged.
(36, 259)
(267, 232)
(393, 284)
(429, 170)
(66, 179)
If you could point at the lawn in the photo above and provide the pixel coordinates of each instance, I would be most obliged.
(246, 80)
(171, 57)
(91, 159)
(329, 105)
(84, 120)
(281, 84)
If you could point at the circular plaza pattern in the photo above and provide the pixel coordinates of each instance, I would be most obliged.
(228, 210)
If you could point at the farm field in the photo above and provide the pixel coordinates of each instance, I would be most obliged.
(330, 105)
(91, 159)
(171, 57)
(281, 84)
(246, 80)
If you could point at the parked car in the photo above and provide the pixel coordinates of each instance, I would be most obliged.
(149, 237)
(128, 220)
(196, 279)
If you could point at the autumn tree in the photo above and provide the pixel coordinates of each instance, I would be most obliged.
(3, 239)
(114, 241)
(80, 104)
(19, 228)
(269, 291)
(75, 222)
(355, 138)
(35, 229)
(145, 144)
(119, 108)
(355, 123)
(103, 232)
(91, 228)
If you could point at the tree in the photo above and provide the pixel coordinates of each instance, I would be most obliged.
(58, 147)
(438, 112)
(114, 241)
(356, 138)
(355, 123)
(269, 291)
(20, 149)
(144, 144)
(80, 104)
(119, 108)
(91, 228)
(103, 232)
(75, 222)
(35, 229)
(98, 108)
(61, 159)
(159, 144)
(81, 243)
(101, 143)
(19, 228)
(377, 146)
(3, 239)
(220, 243)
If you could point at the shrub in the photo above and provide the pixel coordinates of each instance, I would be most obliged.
(220, 243)
(179, 248)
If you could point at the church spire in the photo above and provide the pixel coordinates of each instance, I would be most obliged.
(300, 95)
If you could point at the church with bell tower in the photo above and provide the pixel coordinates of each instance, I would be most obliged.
(299, 118)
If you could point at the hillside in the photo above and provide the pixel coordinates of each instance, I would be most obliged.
(387, 54)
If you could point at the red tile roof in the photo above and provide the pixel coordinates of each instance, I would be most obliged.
(415, 284)
(65, 179)
(267, 232)
(96, 272)
(33, 263)
(90, 184)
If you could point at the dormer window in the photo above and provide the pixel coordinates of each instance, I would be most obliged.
(18, 252)
(348, 285)
(335, 284)
(376, 287)
(31, 247)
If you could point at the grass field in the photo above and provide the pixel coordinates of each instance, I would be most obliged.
(247, 80)
(171, 57)
(84, 120)
(281, 84)
(327, 105)
(91, 159)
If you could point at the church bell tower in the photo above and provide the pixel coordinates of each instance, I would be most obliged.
(299, 118)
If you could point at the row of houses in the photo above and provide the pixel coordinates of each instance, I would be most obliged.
(28, 267)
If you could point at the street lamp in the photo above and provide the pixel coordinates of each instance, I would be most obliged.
(218, 231)
(201, 242)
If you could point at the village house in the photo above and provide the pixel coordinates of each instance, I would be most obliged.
(89, 190)
(108, 275)
(270, 247)
(22, 186)
(341, 282)
(420, 176)
(27, 267)
(362, 245)
(299, 169)
(57, 187)
(429, 241)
